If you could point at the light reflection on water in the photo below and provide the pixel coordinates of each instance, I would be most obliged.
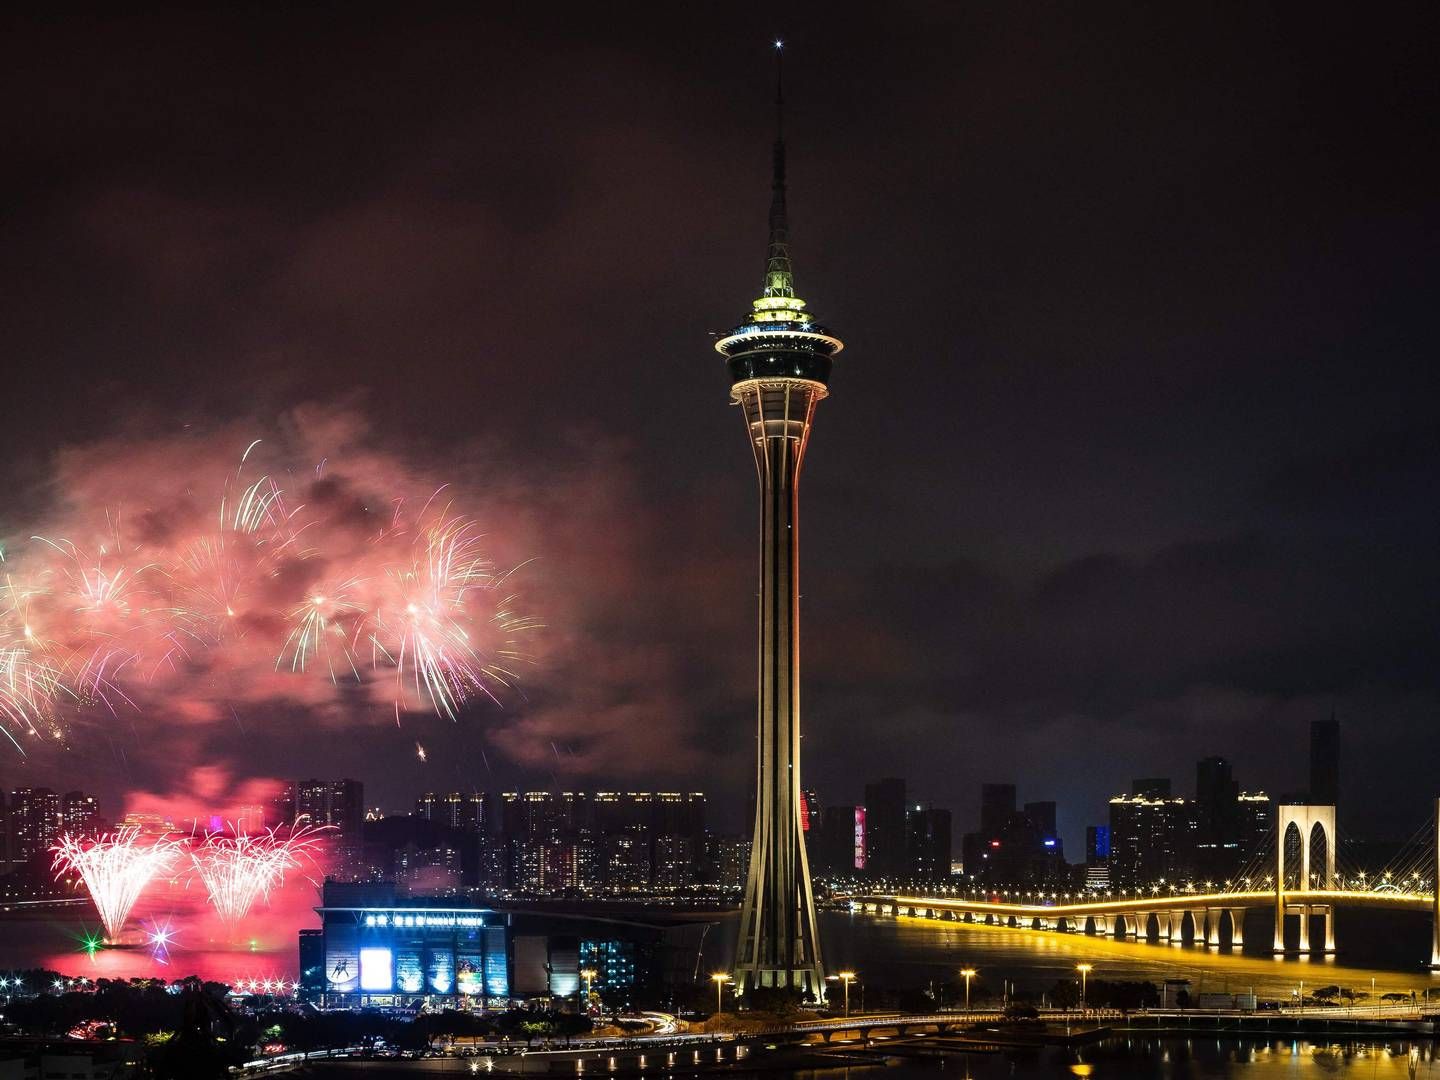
(910, 952)
(54, 939)
(1244, 1059)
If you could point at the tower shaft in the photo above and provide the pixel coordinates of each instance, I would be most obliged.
(779, 942)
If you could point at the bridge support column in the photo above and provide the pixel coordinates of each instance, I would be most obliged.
(1237, 927)
(1328, 911)
(1435, 902)
(1279, 892)
(1212, 927)
(1165, 925)
(1304, 945)
(1141, 926)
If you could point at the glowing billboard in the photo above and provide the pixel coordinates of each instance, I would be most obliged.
(375, 969)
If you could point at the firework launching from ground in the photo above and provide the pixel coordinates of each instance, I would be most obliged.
(238, 870)
(306, 589)
(115, 867)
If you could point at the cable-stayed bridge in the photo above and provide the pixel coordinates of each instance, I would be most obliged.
(1299, 873)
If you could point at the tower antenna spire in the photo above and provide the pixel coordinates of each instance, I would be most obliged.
(779, 90)
(779, 275)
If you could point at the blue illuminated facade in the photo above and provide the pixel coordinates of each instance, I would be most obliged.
(382, 951)
(374, 948)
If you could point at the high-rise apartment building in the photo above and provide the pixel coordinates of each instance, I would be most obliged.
(251, 818)
(36, 823)
(1217, 820)
(810, 816)
(1042, 816)
(432, 871)
(675, 858)
(1151, 835)
(339, 804)
(1097, 856)
(732, 861)
(997, 807)
(79, 814)
(1256, 824)
(927, 843)
(494, 874)
(626, 841)
(679, 814)
(843, 840)
(535, 815)
(463, 810)
(885, 812)
(1013, 847)
(625, 865)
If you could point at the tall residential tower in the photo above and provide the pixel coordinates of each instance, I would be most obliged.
(779, 360)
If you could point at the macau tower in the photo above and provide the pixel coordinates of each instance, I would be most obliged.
(779, 359)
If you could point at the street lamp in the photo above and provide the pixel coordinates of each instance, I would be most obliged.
(846, 978)
(588, 974)
(967, 974)
(720, 979)
(1084, 970)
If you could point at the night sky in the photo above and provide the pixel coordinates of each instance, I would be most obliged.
(1130, 459)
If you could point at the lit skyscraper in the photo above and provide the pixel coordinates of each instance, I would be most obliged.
(779, 360)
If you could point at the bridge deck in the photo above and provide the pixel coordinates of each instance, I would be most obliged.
(1389, 901)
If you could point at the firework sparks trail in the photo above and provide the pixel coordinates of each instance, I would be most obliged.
(238, 870)
(290, 585)
(115, 867)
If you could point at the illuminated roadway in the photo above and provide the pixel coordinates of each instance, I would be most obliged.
(1136, 905)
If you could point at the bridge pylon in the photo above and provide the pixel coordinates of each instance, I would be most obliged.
(1305, 820)
(1435, 896)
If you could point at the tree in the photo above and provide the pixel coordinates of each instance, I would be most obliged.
(571, 1024)
(1065, 994)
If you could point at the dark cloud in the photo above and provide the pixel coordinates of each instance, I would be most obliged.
(1128, 458)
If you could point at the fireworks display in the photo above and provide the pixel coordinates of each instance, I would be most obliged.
(287, 589)
(238, 870)
(115, 868)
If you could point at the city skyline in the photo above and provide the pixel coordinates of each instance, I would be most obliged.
(1138, 472)
(484, 807)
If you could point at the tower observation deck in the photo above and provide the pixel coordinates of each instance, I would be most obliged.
(779, 359)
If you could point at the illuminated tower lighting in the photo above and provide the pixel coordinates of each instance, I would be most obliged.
(779, 360)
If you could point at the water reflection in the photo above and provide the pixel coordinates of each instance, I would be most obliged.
(910, 951)
(1143, 1058)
